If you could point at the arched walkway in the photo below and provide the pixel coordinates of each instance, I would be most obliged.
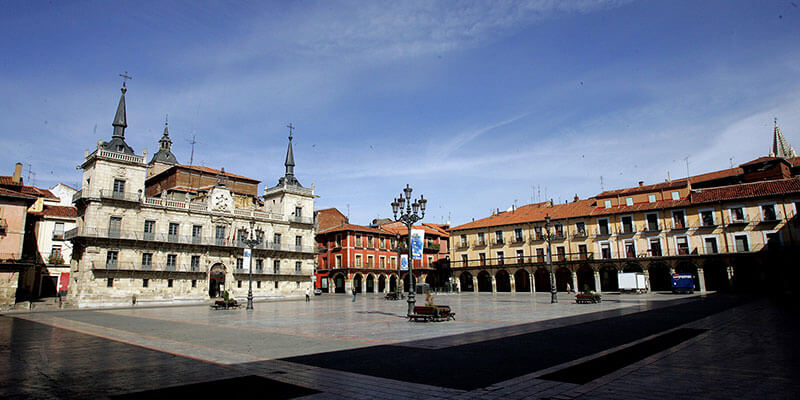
(484, 282)
(382, 283)
(563, 277)
(522, 281)
(585, 278)
(541, 279)
(686, 267)
(338, 280)
(357, 282)
(393, 283)
(609, 281)
(465, 279)
(660, 279)
(216, 280)
(503, 281)
(370, 283)
(716, 275)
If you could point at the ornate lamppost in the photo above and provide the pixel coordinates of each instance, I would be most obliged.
(254, 238)
(409, 214)
(549, 238)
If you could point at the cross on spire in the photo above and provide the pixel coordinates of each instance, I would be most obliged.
(125, 77)
(291, 129)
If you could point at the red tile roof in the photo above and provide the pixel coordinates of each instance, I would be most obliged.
(532, 213)
(356, 228)
(747, 190)
(216, 172)
(8, 180)
(34, 191)
(14, 193)
(398, 228)
(60, 211)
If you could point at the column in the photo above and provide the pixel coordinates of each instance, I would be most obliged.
(597, 285)
(575, 281)
(513, 284)
(647, 278)
(533, 283)
(701, 277)
(364, 284)
(475, 284)
(494, 284)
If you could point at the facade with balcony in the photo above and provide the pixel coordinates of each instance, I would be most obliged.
(726, 228)
(129, 246)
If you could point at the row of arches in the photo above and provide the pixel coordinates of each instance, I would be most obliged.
(375, 283)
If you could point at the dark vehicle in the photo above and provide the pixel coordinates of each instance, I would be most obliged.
(682, 283)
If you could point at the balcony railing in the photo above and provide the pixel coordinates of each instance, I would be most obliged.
(179, 239)
(123, 196)
(480, 243)
(739, 221)
(153, 267)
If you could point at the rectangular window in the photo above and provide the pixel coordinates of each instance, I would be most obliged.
(197, 232)
(172, 234)
(298, 243)
(172, 262)
(629, 201)
(110, 282)
(149, 230)
(298, 267)
(710, 244)
(147, 260)
(219, 235)
(498, 237)
(259, 265)
(608, 203)
(169, 282)
(358, 260)
(768, 213)
(55, 254)
(119, 188)
(772, 240)
(500, 259)
(276, 284)
(539, 255)
(111, 259)
(561, 253)
(370, 242)
(393, 243)
(682, 244)
(627, 224)
(298, 212)
(742, 244)
(520, 256)
(678, 220)
(382, 262)
(114, 227)
(276, 239)
(338, 261)
(258, 284)
(580, 229)
(583, 252)
(239, 283)
(737, 215)
(464, 260)
(370, 260)
(676, 196)
(240, 263)
(651, 198)
(537, 232)
(605, 250)
(559, 230)
(145, 282)
(338, 240)
(276, 267)
(481, 239)
(518, 235)
(358, 241)
(463, 241)
(652, 222)
(382, 243)
(655, 247)
(195, 263)
(630, 248)
(194, 283)
(393, 262)
(58, 231)
(602, 226)
(482, 258)
(707, 217)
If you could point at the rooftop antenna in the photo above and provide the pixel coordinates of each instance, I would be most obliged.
(538, 193)
(348, 211)
(731, 160)
(31, 178)
(192, 142)
(602, 187)
(687, 165)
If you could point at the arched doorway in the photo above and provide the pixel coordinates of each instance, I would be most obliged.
(382, 283)
(393, 283)
(686, 267)
(503, 281)
(660, 280)
(216, 280)
(338, 280)
(563, 276)
(357, 282)
(484, 282)
(466, 282)
(541, 279)
(609, 281)
(370, 283)
(585, 278)
(522, 281)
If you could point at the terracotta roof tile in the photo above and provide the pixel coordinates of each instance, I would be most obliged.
(60, 211)
(215, 171)
(533, 213)
(14, 193)
(356, 228)
(747, 190)
(8, 180)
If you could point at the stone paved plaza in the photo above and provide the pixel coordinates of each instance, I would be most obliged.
(500, 346)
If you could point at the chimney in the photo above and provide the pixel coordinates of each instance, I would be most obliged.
(641, 183)
(576, 198)
(17, 178)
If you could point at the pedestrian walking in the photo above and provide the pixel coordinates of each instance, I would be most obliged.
(308, 298)
(354, 295)
(569, 288)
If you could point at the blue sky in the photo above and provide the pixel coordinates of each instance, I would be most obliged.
(477, 105)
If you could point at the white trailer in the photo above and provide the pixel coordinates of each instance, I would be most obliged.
(633, 282)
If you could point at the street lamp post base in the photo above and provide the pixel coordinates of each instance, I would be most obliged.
(553, 297)
(411, 302)
(250, 300)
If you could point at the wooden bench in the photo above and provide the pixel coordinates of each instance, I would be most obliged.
(434, 313)
(223, 305)
(587, 298)
(393, 296)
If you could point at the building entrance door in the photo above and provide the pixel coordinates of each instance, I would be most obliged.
(216, 281)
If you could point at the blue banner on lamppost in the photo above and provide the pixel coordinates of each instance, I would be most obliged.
(404, 262)
(417, 237)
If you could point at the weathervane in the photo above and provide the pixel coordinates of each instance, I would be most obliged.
(125, 77)
(291, 129)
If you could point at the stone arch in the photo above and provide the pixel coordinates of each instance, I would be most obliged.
(338, 282)
(484, 281)
(522, 281)
(502, 281)
(660, 278)
(370, 283)
(357, 280)
(381, 283)
(563, 277)
(466, 282)
(541, 279)
(216, 280)
(632, 267)
(585, 278)
(687, 267)
(393, 283)
(609, 280)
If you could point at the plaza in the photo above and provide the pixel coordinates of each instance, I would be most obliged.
(503, 345)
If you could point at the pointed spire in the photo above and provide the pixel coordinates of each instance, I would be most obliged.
(120, 119)
(780, 148)
(164, 153)
(289, 177)
(165, 143)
